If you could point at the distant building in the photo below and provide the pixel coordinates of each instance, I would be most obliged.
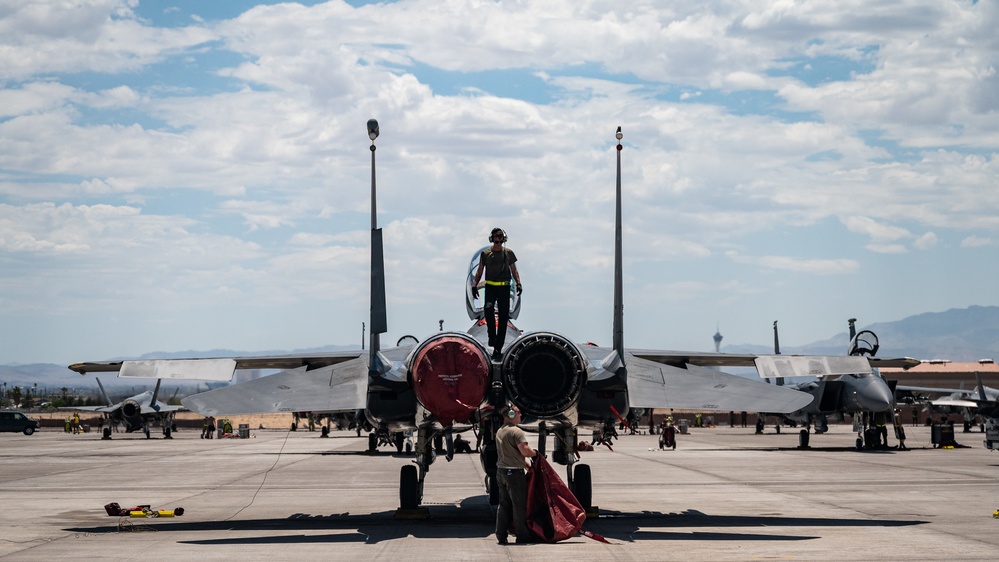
(946, 374)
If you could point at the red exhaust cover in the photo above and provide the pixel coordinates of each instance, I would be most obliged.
(450, 378)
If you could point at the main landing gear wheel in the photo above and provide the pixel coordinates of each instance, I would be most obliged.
(146, 431)
(372, 442)
(409, 487)
(493, 487)
(582, 485)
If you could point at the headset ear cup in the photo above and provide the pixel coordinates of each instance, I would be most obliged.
(511, 413)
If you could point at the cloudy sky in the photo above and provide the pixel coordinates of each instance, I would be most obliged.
(190, 175)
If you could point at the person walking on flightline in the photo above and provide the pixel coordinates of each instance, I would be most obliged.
(512, 451)
(500, 266)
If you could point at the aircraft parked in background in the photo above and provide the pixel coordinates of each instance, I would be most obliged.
(865, 394)
(982, 401)
(135, 413)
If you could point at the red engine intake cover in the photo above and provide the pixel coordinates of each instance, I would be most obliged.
(450, 378)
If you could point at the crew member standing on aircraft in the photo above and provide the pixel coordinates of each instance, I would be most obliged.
(512, 451)
(500, 266)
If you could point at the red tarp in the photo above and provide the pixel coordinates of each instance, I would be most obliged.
(553, 512)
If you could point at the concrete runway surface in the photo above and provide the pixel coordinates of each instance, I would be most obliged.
(724, 494)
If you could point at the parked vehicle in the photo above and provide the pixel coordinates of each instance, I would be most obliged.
(16, 421)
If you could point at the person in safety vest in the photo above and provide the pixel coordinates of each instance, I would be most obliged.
(500, 266)
(512, 451)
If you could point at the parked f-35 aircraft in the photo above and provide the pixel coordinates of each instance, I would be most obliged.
(135, 413)
(448, 382)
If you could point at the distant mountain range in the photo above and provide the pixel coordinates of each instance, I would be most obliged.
(959, 334)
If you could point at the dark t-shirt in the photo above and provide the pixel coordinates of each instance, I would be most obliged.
(498, 263)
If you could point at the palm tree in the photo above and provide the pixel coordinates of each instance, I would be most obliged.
(15, 394)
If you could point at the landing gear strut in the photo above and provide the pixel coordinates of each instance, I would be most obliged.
(412, 476)
(580, 481)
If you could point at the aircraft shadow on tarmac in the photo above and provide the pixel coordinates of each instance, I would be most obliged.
(474, 518)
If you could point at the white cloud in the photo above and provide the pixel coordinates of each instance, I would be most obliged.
(977, 242)
(926, 241)
(874, 229)
(229, 157)
(787, 263)
(886, 248)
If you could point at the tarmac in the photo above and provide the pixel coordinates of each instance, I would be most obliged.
(723, 494)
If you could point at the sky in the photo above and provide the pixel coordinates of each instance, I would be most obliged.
(189, 175)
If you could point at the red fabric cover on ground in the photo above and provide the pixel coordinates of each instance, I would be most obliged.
(553, 512)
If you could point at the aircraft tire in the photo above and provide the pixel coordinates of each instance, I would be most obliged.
(409, 487)
(860, 444)
(167, 433)
(106, 433)
(400, 441)
(493, 487)
(146, 431)
(582, 485)
(372, 442)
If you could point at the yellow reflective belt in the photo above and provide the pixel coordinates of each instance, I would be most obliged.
(497, 283)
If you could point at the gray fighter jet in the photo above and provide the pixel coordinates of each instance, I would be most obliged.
(449, 382)
(135, 413)
(982, 401)
(864, 394)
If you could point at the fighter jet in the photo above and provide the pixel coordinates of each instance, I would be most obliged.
(983, 401)
(865, 393)
(135, 413)
(449, 381)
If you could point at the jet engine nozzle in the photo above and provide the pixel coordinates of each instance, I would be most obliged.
(544, 374)
(450, 376)
(131, 409)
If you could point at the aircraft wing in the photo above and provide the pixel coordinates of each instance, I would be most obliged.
(897, 362)
(776, 366)
(657, 385)
(102, 409)
(342, 386)
(933, 390)
(954, 403)
(213, 369)
(146, 409)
